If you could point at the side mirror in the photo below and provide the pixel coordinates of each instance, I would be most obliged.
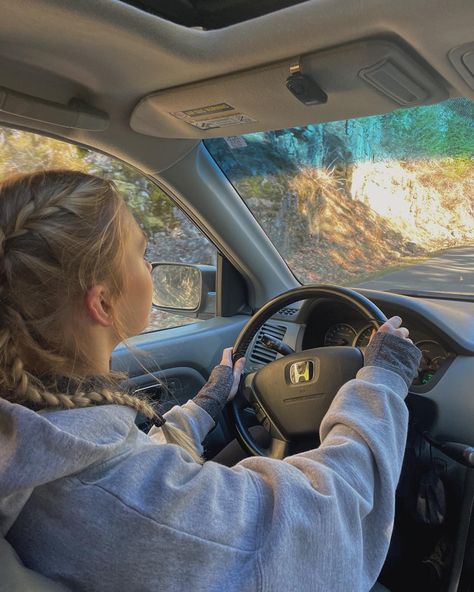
(187, 290)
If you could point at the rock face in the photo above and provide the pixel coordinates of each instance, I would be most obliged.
(417, 202)
(335, 224)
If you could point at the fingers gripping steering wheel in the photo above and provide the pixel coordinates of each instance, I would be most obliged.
(292, 394)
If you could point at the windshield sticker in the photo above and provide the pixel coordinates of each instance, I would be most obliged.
(216, 122)
(212, 116)
(235, 142)
(203, 111)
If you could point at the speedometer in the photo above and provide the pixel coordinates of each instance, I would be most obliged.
(433, 356)
(363, 337)
(339, 334)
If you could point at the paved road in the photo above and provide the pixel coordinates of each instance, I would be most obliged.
(453, 271)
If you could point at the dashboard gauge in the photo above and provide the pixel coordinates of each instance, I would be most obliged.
(363, 337)
(340, 334)
(433, 356)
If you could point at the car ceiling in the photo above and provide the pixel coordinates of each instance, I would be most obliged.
(210, 14)
(114, 57)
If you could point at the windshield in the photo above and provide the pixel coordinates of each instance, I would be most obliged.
(384, 202)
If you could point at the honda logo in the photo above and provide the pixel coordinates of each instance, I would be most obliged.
(301, 371)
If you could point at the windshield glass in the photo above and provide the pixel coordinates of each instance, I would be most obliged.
(384, 202)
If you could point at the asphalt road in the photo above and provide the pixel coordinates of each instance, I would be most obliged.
(453, 271)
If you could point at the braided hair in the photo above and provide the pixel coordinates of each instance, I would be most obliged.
(53, 224)
(61, 232)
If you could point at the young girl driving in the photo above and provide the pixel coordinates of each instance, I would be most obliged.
(89, 500)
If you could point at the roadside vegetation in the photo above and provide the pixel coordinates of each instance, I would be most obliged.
(342, 201)
(348, 200)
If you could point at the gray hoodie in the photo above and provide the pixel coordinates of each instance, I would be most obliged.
(91, 501)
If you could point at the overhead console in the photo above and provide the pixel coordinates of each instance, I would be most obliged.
(361, 78)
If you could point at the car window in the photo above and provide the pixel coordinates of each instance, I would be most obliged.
(172, 237)
(385, 202)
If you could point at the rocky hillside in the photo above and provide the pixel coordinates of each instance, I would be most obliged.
(346, 200)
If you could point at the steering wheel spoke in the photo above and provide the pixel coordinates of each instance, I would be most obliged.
(246, 388)
(277, 449)
(279, 445)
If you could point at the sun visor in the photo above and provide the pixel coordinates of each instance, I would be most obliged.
(359, 79)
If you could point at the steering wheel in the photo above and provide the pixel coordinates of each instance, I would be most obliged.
(291, 395)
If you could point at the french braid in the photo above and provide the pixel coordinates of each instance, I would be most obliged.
(19, 384)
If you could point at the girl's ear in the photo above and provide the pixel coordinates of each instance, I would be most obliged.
(98, 305)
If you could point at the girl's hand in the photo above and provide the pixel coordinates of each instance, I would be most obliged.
(393, 326)
(237, 370)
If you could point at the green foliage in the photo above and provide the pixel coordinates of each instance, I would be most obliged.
(25, 152)
(435, 131)
(269, 187)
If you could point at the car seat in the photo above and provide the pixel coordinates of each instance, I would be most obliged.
(15, 577)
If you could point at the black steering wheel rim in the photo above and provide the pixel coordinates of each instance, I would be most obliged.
(357, 301)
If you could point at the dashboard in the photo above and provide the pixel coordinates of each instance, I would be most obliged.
(358, 334)
(335, 324)
(441, 395)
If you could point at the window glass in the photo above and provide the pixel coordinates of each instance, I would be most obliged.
(172, 236)
(384, 202)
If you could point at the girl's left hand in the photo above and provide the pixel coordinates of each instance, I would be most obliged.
(237, 370)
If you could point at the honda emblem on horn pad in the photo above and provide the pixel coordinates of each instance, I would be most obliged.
(301, 371)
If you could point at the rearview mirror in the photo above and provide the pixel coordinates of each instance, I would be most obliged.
(184, 289)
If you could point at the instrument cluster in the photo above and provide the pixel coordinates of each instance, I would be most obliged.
(355, 335)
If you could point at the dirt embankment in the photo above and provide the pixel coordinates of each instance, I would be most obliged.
(344, 225)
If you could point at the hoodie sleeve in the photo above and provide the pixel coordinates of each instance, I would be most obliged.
(198, 416)
(191, 419)
(335, 505)
(316, 521)
(323, 518)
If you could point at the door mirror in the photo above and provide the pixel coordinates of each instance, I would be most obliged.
(184, 289)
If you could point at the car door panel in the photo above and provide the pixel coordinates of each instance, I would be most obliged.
(173, 364)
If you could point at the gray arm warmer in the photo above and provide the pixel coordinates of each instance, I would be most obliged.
(395, 354)
(213, 395)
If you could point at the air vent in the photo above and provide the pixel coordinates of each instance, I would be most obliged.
(288, 311)
(261, 354)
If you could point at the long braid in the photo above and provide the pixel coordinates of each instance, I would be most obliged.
(25, 388)
(21, 385)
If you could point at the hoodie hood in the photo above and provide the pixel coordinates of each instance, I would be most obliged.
(37, 448)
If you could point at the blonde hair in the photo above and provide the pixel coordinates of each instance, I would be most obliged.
(61, 232)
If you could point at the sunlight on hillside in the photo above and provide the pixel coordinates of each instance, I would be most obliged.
(349, 200)
(387, 214)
